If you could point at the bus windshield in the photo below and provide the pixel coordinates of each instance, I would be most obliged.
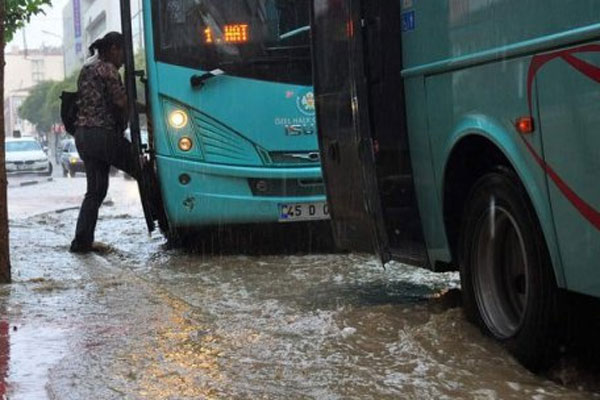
(259, 39)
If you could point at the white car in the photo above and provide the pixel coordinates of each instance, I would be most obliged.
(25, 155)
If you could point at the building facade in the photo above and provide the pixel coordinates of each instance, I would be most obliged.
(87, 20)
(73, 37)
(23, 70)
(14, 125)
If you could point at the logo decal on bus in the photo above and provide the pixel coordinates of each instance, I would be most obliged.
(592, 72)
(306, 103)
(299, 129)
(408, 21)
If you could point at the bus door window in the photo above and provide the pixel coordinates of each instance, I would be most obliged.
(383, 54)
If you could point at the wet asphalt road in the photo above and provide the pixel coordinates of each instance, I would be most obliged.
(140, 321)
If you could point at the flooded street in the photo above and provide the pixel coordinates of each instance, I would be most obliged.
(140, 321)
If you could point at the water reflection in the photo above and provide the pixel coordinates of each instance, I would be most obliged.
(180, 361)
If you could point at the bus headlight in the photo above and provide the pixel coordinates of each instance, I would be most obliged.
(178, 119)
(185, 144)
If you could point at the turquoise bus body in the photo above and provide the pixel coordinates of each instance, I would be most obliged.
(491, 63)
(236, 125)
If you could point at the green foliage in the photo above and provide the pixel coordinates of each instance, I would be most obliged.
(42, 106)
(18, 13)
(32, 108)
(140, 60)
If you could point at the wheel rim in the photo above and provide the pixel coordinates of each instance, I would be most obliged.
(500, 273)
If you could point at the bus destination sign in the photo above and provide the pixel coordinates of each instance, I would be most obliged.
(234, 34)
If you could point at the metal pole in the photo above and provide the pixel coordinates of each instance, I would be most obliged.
(134, 119)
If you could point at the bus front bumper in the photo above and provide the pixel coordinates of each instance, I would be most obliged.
(222, 195)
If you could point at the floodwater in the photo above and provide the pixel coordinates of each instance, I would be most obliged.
(141, 321)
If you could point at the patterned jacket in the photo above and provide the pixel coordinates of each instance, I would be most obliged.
(99, 86)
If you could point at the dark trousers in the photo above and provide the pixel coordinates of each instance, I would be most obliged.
(99, 149)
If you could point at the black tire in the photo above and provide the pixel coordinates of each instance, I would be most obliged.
(65, 171)
(50, 168)
(508, 284)
(72, 172)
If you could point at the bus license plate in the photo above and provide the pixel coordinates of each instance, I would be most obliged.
(303, 212)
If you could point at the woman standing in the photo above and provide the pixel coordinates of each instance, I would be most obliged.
(101, 121)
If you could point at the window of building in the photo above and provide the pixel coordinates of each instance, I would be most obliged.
(37, 70)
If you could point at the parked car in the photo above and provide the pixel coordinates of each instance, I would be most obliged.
(72, 163)
(69, 159)
(25, 155)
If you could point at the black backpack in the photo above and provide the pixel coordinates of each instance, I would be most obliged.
(69, 110)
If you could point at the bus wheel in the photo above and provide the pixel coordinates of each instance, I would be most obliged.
(507, 280)
(50, 168)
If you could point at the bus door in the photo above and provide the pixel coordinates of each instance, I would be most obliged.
(147, 181)
(344, 130)
(362, 129)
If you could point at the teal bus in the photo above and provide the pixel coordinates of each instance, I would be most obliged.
(231, 105)
(463, 135)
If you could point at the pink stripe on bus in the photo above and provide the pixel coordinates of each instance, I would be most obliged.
(592, 72)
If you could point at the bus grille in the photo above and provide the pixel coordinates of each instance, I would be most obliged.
(223, 145)
(295, 157)
(286, 187)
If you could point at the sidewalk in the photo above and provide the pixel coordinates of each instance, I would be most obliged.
(27, 180)
(60, 194)
(67, 317)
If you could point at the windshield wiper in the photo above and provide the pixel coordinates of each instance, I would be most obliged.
(294, 32)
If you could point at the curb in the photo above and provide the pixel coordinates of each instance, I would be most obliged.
(62, 210)
(30, 183)
(107, 203)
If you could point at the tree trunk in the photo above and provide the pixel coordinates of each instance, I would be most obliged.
(4, 247)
